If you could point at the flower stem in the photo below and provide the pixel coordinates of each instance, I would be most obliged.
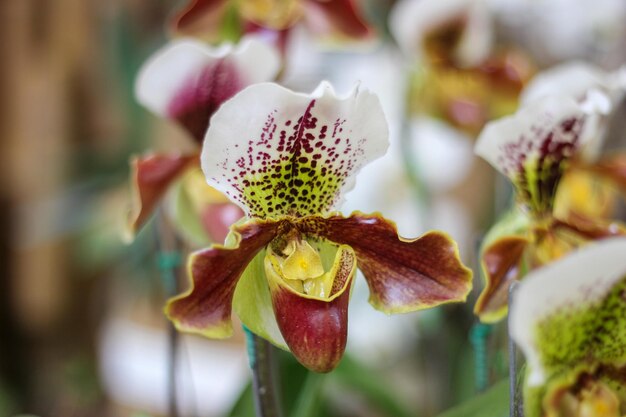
(516, 407)
(169, 262)
(263, 376)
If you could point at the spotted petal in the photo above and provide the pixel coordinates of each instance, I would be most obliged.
(275, 152)
(187, 80)
(573, 312)
(151, 176)
(403, 275)
(206, 307)
(534, 146)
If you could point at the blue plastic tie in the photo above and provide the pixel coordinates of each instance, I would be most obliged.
(168, 262)
(478, 337)
(250, 346)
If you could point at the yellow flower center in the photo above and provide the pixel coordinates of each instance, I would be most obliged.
(299, 265)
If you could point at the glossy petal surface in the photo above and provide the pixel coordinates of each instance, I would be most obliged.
(501, 261)
(187, 80)
(315, 328)
(275, 152)
(206, 307)
(150, 178)
(533, 147)
(403, 275)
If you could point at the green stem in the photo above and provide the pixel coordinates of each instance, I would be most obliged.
(265, 391)
(169, 262)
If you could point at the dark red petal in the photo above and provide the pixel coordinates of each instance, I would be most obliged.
(199, 17)
(402, 275)
(203, 94)
(150, 178)
(588, 228)
(315, 329)
(343, 17)
(206, 307)
(501, 263)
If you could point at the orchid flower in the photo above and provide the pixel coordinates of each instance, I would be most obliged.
(535, 148)
(186, 82)
(218, 20)
(461, 78)
(287, 269)
(569, 320)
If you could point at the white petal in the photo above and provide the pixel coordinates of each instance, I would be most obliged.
(509, 142)
(411, 20)
(581, 81)
(580, 279)
(256, 142)
(169, 69)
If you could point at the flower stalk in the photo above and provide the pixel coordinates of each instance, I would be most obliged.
(261, 357)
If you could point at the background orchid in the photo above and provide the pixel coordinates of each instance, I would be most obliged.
(220, 20)
(286, 159)
(534, 149)
(186, 82)
(466, 76)
(568, 318)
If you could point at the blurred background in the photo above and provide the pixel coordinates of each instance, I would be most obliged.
(81, 326)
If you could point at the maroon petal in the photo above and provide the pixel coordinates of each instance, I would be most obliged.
(150, 178)
(203, 94)
(403, 275)
(343, 17)
(206, 307)
(202, 17)
(501, 263)
(316, 329)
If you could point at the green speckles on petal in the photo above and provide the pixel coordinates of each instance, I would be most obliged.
(573, 312)
(594, 331)
(275, 152)
(295, 186)
(533, 147)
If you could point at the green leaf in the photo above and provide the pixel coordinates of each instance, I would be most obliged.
(492, 403)
(244, 407)
(357, 376)
(308, 402)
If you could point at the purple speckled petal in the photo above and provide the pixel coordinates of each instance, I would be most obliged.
(533, 146)
(275, 152)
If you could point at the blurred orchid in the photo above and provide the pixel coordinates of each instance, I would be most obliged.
(550, 138)
(187, 81)
(219, 20)
(286, 159)
(569, 320)
(463, 77)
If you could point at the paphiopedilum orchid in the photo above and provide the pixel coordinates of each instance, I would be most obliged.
(187, 81)
(569, 320)
(286, 159)
(219, 20)
(534, 149)
(463, 78)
